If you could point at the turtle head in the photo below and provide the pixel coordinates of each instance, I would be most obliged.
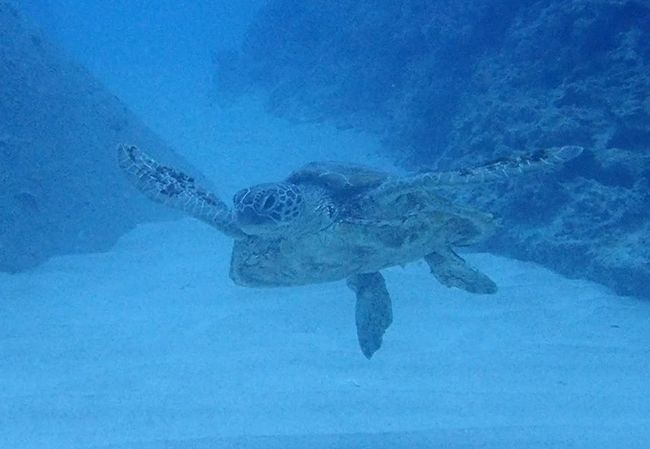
(278, 208)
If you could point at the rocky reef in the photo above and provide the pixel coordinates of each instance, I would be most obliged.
(448, 83)
(61, 189)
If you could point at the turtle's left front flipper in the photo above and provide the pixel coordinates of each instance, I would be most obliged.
(374, 310)
(536, 161)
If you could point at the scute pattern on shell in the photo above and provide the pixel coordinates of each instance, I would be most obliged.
(338, 177)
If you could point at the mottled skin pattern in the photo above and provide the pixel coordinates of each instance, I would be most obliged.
(330, 221)
(366, 237)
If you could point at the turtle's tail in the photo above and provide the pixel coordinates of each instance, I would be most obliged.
(175, 189)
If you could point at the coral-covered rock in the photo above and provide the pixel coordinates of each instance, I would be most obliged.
(448, 83)
(61, 188)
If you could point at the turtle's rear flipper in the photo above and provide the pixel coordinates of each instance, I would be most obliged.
(451, 270)
(374, 311)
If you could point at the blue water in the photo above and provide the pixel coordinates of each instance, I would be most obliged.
(137, 338)
(155, 55)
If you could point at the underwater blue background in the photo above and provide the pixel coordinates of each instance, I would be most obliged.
(119, 325)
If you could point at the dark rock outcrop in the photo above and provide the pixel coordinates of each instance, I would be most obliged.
(448, 83)
(61, 189)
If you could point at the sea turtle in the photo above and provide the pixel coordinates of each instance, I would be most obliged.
(330, 221)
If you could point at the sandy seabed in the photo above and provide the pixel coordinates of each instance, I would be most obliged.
(151, 345)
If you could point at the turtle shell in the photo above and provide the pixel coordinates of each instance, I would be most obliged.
(338, 177)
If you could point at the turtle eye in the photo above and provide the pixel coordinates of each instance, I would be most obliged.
(269, 202)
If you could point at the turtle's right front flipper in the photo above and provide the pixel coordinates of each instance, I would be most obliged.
(176, 189)
(374, 310)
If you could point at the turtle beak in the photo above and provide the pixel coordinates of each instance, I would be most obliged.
(248, 217)
(253, 223)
